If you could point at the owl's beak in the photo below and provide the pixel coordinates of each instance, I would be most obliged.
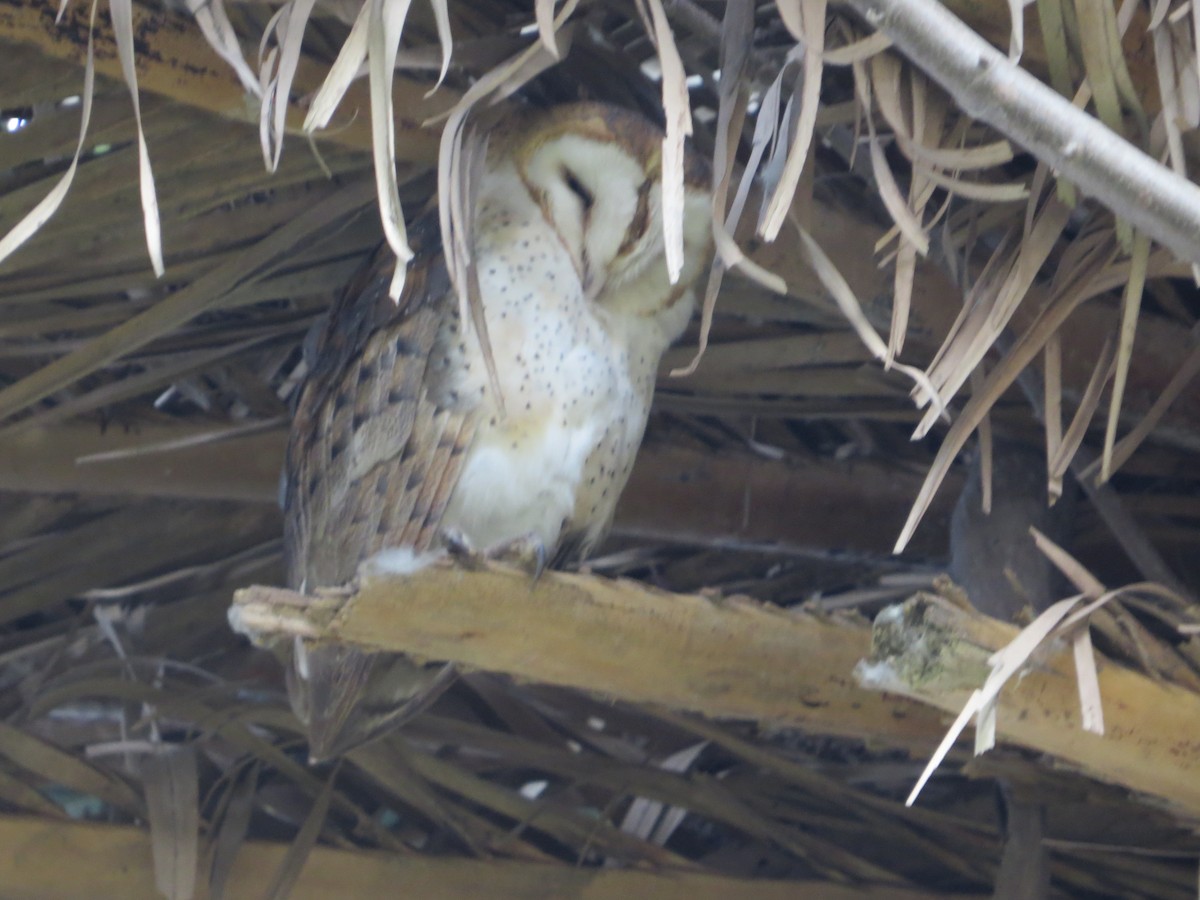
(592, 283)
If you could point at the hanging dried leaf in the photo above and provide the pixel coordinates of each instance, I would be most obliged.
(1005, 664)
(1130, 305)
(343, 71)
(122, 19)
(1069, 445)
(214, 24)
(441, 15)
(306, 838)
(1052, 365)
(1183, 377)
(172, 798)
(677, 108)
(801, 139)
(386, 24)
(40, 214)
(280, 71)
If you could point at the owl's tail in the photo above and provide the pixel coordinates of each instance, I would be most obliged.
(347, 697)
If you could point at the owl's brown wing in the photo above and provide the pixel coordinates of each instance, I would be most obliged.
(372, 457)
(371, 463)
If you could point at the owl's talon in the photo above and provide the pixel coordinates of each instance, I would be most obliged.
(540, 561)
(461, 550)
(457, 543)
(526, 552)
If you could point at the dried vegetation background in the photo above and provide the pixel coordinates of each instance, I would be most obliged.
(911, 244)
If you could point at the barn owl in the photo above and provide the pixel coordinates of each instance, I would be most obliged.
(399, 439)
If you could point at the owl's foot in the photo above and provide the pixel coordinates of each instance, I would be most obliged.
(459, 546)
(526, 552)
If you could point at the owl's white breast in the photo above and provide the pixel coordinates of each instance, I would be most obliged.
(576, 382)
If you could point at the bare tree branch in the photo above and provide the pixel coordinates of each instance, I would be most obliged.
(988, 87)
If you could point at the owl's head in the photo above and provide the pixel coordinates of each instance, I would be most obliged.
(596, 172)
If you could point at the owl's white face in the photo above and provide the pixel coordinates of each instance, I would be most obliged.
(595, 173)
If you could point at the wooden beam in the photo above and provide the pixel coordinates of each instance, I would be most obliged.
(174, 60)
(936, 651)
(732, 658)
(737, 498)
(47, 460)
(674, 493)
(109, 862)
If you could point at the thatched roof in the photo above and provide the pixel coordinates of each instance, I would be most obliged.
(953, 250)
